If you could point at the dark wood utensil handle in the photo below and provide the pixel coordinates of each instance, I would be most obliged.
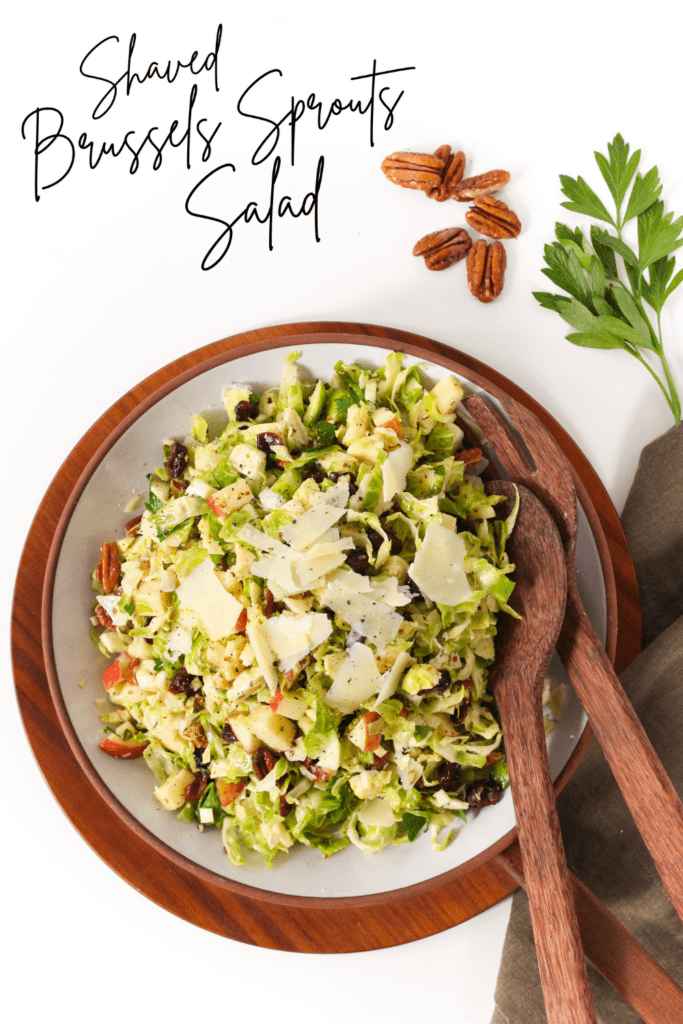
(652, 800)
(564, 977)
(613, 951)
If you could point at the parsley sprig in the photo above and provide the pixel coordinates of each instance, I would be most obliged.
(607, 295)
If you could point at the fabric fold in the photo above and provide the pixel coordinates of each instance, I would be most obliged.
(604, 848)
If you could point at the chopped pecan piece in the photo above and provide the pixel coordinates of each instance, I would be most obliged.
(480, 185)
(491, 217)
(263, 761)
(104, 618)
(486, 270)
(133, 526)
(440, 249)
(451, 175)
(108, 570)
(414, 170)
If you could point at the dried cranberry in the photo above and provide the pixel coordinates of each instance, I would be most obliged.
(482, 794)
(181, 682)
(285, 806)
(266, 439)
(379, 763)
(449, 776)
(463, 709)
(227, 734)
(195, 789)
(413, 588)
(396, 543)
(199, 758)
(264, 761)
(178, 459)
(358, 560)
(424, 786)
(443, 685)
(376, 539)
(243, 411)
(315, 472)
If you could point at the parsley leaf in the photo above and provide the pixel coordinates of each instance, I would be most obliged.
(604, 277)
(153, 504)
(410, 825)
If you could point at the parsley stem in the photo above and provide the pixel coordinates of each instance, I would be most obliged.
(675, 403)
(671, 400)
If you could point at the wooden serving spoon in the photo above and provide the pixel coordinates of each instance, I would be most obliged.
(652, 800)
(517, 681)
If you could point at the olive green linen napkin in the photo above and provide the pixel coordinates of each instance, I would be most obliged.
(602, 844)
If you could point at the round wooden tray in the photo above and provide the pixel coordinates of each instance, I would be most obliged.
(240, 912)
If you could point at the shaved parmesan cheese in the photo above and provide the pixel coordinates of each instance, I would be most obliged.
(350, 580)
(388, 591)
(395, 470)
(338, 494)
(391, 678)
(262, 542)
(357, 679)
(110, 603)
(291, 637)
(270, 499)
(306, 530)
(264, 658)
(372, 619)
(202, 592)
(438, 566)
(179, 640)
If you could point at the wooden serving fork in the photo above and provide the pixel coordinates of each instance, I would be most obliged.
(652, 800)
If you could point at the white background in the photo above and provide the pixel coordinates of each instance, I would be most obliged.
(103, 286)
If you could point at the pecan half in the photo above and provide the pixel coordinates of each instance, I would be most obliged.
(491, 217)
(440, 249)
(108, 570)
(414, 170)
(480, 185)
(103, 617)
(486, 270)
(451, 175)
(263, 761)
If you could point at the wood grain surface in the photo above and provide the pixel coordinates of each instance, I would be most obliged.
(239, 912)
(517, 678)
(649, 793)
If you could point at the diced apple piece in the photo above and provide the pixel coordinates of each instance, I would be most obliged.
(290, 707)
(372, 739)
(448, 393)
(228, 792)
(128, 749)
(245, 737)
(149, 599)
(171, 794)
(249, 461)
(272, 729)
(329, 757)
(246, 683)
(388, 420)
(229, 498)
(367, 449)
(120, 671)
(357, 424)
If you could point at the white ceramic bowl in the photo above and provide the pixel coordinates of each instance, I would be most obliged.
(99, 514)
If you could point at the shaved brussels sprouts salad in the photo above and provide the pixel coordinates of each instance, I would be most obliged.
(303, 618)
